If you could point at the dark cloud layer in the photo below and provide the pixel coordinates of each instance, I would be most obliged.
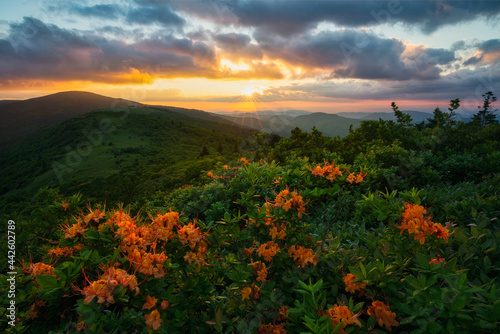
(286, 17)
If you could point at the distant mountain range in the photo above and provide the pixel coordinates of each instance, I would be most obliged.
(24, 119)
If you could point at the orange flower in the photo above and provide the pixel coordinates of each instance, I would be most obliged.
(317, 171)
(190, 234)
(81, 326)
(383, 314)
(351, 177)
(40, 268)
(302, 256)
(271, 329)
(76, 230)
(245, 293)
(153, 319)
(268, 250)
(101, 289)
(416, 223)
(245, 161)
(94, 216)
(342, 314)
(150, 303)
(226, 167)
(260, 270)
(164, 304)
(65, 206)
(437, 260)
(210, 175)
(351, 286)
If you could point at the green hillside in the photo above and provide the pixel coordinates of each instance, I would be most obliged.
(115, 155)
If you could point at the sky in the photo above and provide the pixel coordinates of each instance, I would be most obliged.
(248, 55)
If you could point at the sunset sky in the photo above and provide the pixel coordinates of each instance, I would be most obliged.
(224, 55)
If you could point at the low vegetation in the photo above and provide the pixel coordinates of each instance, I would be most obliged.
(391, 228)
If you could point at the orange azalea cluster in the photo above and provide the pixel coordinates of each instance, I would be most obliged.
(103, 287)
(260, 270)
(163, 225)
(245, 161)
(80, 227)
(248, 292)
(357, 179)
(287, 200)
(277, 231)
(416, 223)
(271, 329)
(39, 268)
(268, 250)
(383, 314)
(153, 319)
(351, 286)
(330, 172)
(193, 236)
(302, 256)
(342, 314)
(65, 251)
(148, 263)
(94, 216)
(74, 231)
(437, 260)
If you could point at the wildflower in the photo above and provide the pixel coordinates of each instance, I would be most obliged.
(271, 329)
(190, 234)
(351, 177)
(248, 251)
(302, 256)
(383, 314)
(76, 230)
(102, 289)
(359, 178)
(153, 319)
(317, 171)
(65, 206)
(245, 293)
(260, 270)
(245, 161)
(421, 226)
(94, 216)
(351, 286)
(150, 303)
(40, 268)
(164, 304)
(226, 167)
(341, 314)
(81, 326)
(268, 250)
(437, 260)
(210, 175)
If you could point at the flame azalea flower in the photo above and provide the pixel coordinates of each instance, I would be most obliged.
(268, 250)
(245, 293)
(150, 303)
(94, 216)
(359, 178)
(271, 329)
(260, 270)
(40, 268)
(296, 201)
(245, 161)
(421, 226)
(164, 304)
(65, 206)
(102, 289)
(81, 326)
(153, 319)
(383, 314)
(76, 230)
(351, 286)
(342, 314)
(437, 260)
(351, 178)
(190, 234)
(302, 256)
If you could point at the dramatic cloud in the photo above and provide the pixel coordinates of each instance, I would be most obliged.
(487, 52)
(286, 18)
(99, 11)
(35, 50)
(355, 54)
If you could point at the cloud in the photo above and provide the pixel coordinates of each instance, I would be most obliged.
(356, 54)
(287, 18)
(488, 52)
(38, 51)
(100, 11)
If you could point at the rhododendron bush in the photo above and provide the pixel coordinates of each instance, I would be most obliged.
(292, 248)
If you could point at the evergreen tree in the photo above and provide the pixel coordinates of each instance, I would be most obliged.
(204, 151)
(401, 117)
(486, 115)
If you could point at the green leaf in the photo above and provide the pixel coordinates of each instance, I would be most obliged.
(459, 302)
(47, 281)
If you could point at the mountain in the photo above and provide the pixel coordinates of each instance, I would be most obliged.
(417, 116)
(265, 113)
(21, 120)
(282, 123)
(329, 124)
(115, 154)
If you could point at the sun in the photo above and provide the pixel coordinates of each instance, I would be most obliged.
(249, 91)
